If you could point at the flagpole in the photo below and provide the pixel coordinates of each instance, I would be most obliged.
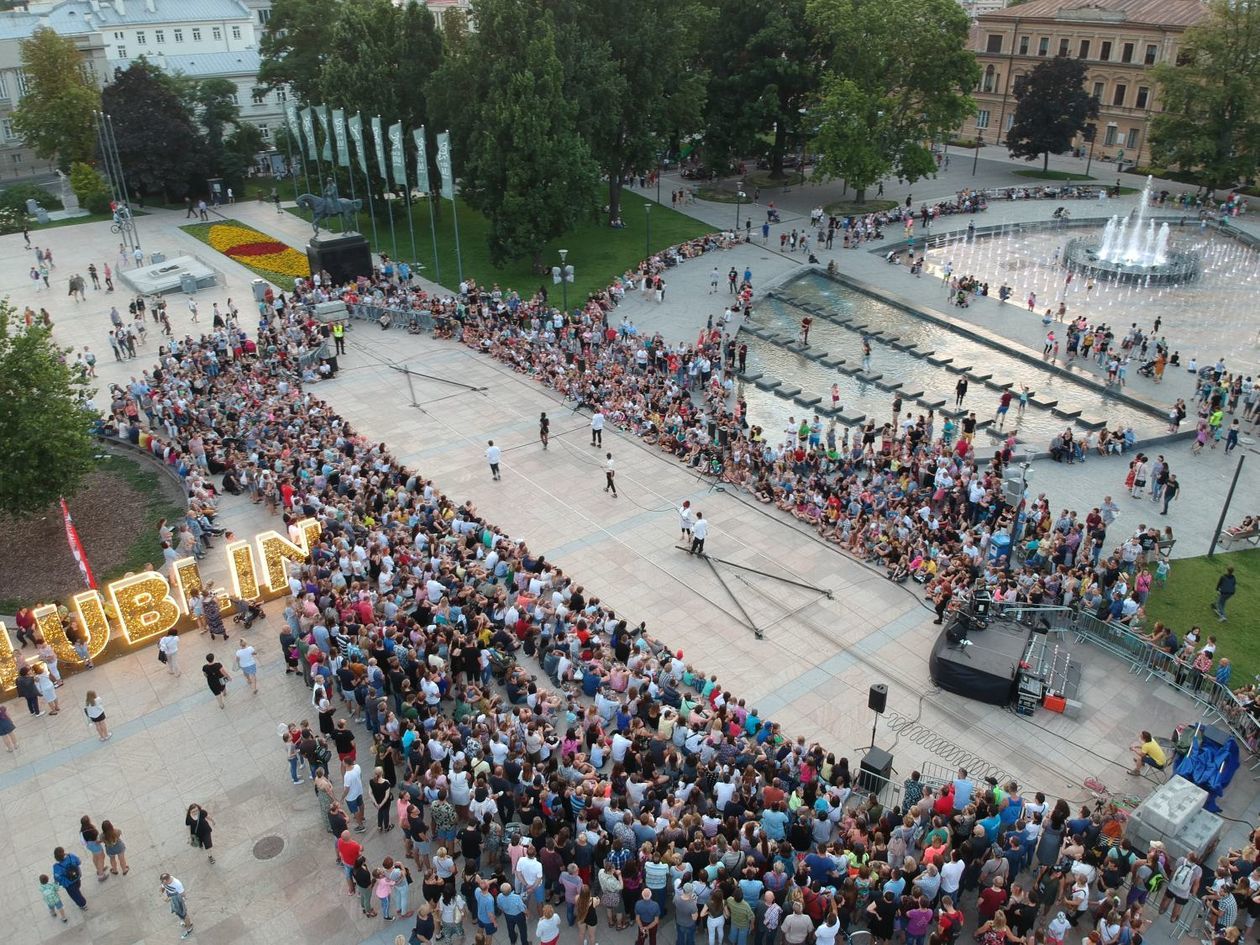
(363, 165)
(415, 256)
(437, 266)
(459, 258)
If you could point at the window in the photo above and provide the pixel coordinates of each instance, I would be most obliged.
(4, 86)
(264, 16)
(1083, 51)
(1010, 120)
(1023, 45)
(179, 36)
(264, 130)
(1098, 91)
(1063, 46)
(21, 83)
(122, 51)
(1117, 95)
(1132, 140)
(196, 34)
(1152, 53)
(994, 43)
(281, 96)
(140, 38)
(1143, 94)
(216, 34)
(159, 36)
(1126, 53)
(16, 159)
(982, 118)
(6, 128)
(260, 96)
(118, 35)
(1105, 53)
(990, 78)
(1043, 46)
(1109, 139)
(236, 32)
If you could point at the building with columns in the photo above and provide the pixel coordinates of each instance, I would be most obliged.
(1120, 40)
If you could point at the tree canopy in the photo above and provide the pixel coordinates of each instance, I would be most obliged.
(45, 427)
(54, 117)
(145, 105)
(1051, 107)
(1210, 99)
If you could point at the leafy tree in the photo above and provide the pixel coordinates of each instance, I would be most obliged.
(145, 106)
(239, 149)
(1051, 107)
(897, 75)
(44, 430)
(1210, 117)
(55, 115)
(762, 66)
(295, 45)
(537, 186)
(213, 102)
(90, 187)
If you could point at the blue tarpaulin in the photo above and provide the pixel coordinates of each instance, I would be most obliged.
(1211, 765)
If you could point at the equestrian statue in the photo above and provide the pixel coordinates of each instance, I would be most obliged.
(331, 204)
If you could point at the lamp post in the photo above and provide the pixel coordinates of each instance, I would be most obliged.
(647, 239)
(564, 275)
(976, 159)
(1091, 134)
(739, 200)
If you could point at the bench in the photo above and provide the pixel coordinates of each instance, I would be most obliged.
(1235, 533)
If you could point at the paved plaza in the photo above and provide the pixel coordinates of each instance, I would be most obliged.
(820, 647)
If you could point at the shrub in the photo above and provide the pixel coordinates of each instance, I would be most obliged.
(14, 197)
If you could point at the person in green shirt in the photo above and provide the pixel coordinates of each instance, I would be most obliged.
(741, 917)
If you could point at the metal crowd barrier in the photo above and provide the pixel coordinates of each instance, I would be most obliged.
(400, 317)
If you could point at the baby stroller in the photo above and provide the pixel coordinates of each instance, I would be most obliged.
(1148, 369)
(772, 216)
(246, 612)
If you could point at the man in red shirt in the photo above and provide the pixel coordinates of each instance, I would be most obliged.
(348, 853)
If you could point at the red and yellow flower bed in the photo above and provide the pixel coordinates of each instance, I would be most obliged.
(273, 260)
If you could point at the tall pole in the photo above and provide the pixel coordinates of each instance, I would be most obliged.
(1091, 153)
(415, 256)
(564, 281)
(459, 257)
(393, 236)
(1220, 524)
(367, 186)
(288, 149)
(437, 266)
(647, 238)
(976, 159)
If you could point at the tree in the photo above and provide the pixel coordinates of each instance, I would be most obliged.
(239, 149)
(90, 187)
(55, 115)
(761, 64)
(295, 45)
(1210, 117)
(145, 106)
(1051, 107)
(897, 76)
(526, 169)
(45, 427)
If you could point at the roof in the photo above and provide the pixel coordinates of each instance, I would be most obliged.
(1173, 13)
(199, 65)
(77, 17)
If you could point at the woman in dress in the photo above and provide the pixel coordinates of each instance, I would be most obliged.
(95, 713)
(213, 615)
(115, 849)
(200, 829)
(6, 730)
(92, 842)
(217, 679)
(382, 799)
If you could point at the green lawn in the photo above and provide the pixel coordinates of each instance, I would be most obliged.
(596, 251)
(843, 208)
(1053, 175)
(1188, 599)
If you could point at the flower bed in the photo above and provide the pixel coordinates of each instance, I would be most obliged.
(275, 261)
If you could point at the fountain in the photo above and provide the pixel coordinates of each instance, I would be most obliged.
(1131, 250)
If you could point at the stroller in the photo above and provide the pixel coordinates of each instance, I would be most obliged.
(246, 612)
(772, 215)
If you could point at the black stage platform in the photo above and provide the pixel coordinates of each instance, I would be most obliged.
(983, 668)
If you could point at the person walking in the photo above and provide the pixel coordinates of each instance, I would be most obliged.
(173, 893)
(597, 428)
(168, 647)
(247, 660)
(52, 898)
(217, 679)
(95, 713)
(544, 429)
(91, 837)
(494, 454)
(699, 531)
(68, 874)
(7, 728)
(610, 474)
(115, 849)
(1226, 587)
(200, 829)
(1171, 488)
(29, 690)
(686, 520)
(47, 689)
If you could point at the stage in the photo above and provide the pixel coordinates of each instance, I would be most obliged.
(1002, 661)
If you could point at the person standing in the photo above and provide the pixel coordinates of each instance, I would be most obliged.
(647, 918)
(213, 614)
(699, 531)
(610, 475)
(7, 729)
(68, 874)
(1171, 488)
(1226, 587)
(200, 829)
(352, 794)
(544, 429)
(169, 646)
(217, 679)
(95, 713)
(47, 689)
(247, 661)
(115, 849)
(91, 837)
(52, 898)
(494, 454)
(686, 520)
(597, 428)
(173, 893)
(960, 392)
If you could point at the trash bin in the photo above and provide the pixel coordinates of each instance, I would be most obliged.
(1000, 546)
(259, 287)
(188, 283)
(157, 257)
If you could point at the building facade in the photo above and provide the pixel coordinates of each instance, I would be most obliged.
(1120, 40)
(199, 38)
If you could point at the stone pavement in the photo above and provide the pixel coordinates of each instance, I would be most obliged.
(810, 671)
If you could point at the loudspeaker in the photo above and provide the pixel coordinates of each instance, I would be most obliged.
(956, 630)
(875, 770)
(878, 698)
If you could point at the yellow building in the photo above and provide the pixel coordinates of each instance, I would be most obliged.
(1121, 40)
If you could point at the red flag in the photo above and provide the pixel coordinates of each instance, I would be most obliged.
(76, 546)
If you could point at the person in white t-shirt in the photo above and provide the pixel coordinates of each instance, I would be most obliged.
(352, 794)
(169, 645)
(247, 660)
(699, 532)
(493, 455)
(597, 428)
(686, 519)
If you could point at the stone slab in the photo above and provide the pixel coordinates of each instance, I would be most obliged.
(808, 400)
(944, 362)
(787, 392)
(851, 419)
(768, 383)
(1067, 413)
(829, 362)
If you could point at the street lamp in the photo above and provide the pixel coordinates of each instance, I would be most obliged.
(647, 239)
(979, 145)
(1091, 134)
(564, 275)
(739, 200)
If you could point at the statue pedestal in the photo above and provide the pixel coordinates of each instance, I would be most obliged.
(344, 256)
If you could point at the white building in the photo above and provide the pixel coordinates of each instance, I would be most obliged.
(199, 38)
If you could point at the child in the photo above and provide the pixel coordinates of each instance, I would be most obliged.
(52, 898)
(1161, 572)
